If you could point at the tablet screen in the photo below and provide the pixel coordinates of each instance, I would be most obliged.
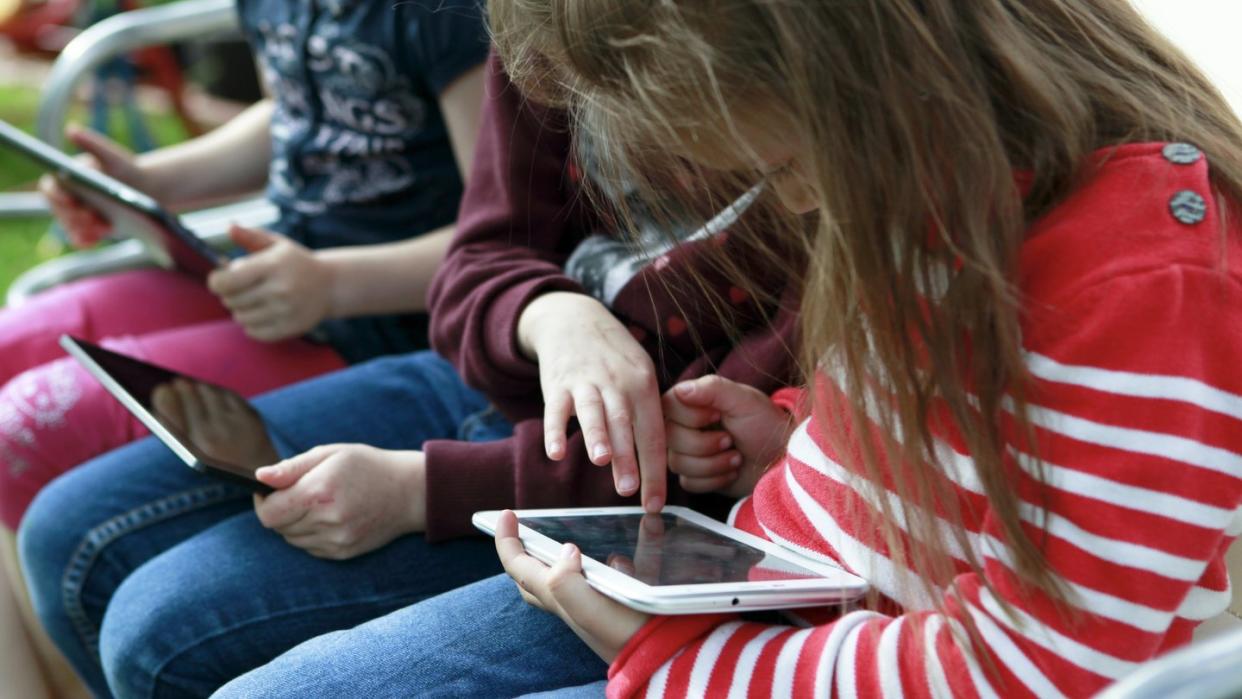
(666, 549)
(217, 426)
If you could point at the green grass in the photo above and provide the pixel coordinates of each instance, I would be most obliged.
(19, 238)
(24, 242)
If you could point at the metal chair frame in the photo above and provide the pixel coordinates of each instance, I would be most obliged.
(117, 35)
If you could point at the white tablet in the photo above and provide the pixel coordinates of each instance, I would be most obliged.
(212, 429)
(131, 212)
(679, 561)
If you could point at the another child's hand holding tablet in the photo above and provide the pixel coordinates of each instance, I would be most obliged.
(280, 290)
(603, 624)
(343, 500)
(82, 223)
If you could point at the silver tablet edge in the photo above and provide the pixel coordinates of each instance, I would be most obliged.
(111, 386)
(722, 597)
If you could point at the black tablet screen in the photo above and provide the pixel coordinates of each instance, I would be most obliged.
(218, 426)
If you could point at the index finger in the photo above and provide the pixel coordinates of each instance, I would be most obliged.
(649, 553)
(652, 451)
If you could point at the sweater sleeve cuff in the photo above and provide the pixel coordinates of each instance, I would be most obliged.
(790, 399)
(464, 478)
(501, 321)
(653, 645)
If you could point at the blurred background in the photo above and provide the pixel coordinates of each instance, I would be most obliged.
(160, 96)
(147, 99)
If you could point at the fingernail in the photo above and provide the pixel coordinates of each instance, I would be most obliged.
(626, 484)
(567, 552)
(554, 447)
(655, 503)
(726, 442)
(684, 389)
(735, 460)
(600, 451)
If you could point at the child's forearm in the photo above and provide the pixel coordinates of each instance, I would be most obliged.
(389, 278)
(229, 161)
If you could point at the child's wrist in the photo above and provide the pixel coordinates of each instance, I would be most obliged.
(147, 177)
(333, 278)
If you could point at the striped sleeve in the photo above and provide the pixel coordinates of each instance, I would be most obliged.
(1138, 422)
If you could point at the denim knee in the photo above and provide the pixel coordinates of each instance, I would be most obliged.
(47, 541)
(44, 544)
(87, 531)
(136, 639)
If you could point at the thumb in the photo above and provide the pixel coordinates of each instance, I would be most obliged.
(252, 239)
(113, 158)
(284, 474)
(720, 394)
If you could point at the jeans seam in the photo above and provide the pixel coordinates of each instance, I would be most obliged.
(101, 536)
(159, 669)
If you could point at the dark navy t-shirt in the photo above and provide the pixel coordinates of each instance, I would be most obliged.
(360, 151)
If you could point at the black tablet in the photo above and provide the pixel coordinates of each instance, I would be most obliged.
(213, 430)
(131, 212)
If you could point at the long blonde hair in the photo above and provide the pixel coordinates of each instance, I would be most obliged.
(913, 118)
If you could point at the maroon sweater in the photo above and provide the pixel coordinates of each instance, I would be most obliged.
(519, 222)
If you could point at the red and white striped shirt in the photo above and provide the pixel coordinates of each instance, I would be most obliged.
(1133, 333)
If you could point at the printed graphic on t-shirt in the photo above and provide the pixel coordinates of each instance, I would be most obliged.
(355, 149)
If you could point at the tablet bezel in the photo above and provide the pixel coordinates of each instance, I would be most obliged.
(837, 585)
(177, 245)
(73, 346)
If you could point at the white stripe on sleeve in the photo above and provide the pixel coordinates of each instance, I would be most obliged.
(745, 668)
(709, 653)
(787, 664)
(888, 665)
(1126, 383)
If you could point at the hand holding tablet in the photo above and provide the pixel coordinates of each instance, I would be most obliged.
(83, 224)
(678, 561)
(130, 211)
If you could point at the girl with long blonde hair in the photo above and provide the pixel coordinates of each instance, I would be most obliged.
(1020, 243)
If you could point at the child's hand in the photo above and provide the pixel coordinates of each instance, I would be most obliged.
(590, 366)
(603, 624)
(722, 435)
(82, 223)
(278, 291)
(343, 500)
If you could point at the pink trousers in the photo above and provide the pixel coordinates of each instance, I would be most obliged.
(53, 415)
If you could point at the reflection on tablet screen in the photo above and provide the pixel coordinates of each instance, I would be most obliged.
(665, 549)
(217, 425)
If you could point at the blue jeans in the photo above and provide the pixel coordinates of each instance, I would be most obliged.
(156, 581)
(481, 640)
